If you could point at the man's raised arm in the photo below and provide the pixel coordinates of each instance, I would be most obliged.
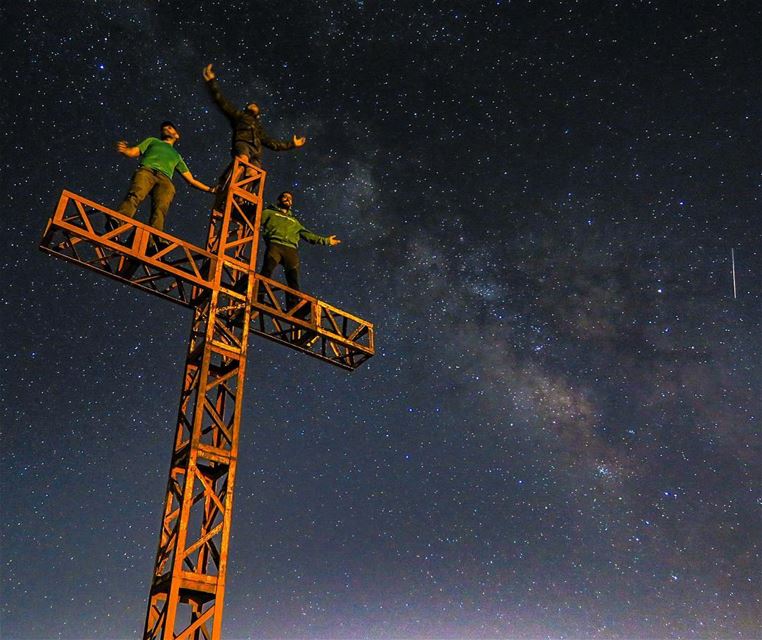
(227, 107)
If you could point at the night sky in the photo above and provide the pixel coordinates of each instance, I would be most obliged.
(559, 435)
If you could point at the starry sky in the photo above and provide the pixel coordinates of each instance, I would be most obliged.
(559, 435)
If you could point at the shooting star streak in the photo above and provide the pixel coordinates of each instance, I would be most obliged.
(733, 262)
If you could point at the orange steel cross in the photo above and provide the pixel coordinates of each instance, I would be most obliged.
(229, 299)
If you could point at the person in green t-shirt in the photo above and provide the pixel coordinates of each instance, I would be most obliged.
(158, 161)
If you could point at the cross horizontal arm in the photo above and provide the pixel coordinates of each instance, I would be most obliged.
(97, 238)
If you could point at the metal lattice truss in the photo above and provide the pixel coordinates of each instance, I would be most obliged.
(229, 300)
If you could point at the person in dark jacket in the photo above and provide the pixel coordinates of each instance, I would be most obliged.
(249, 136)
(282, 232)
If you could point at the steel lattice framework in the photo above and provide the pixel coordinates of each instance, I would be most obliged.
(229, 300)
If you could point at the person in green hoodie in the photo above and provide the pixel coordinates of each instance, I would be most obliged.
(282, 232)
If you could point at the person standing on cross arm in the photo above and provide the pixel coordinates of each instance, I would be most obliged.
(158, 161)
(282, 232)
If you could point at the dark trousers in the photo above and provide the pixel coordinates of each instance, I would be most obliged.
(144, 182)
(289, 257)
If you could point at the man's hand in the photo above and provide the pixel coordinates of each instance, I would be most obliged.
(298, 142)
(208, 73)
(123, 148)
(333, 241)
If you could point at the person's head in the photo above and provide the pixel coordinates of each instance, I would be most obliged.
(286, 200)
(169, 132)
(253, 108)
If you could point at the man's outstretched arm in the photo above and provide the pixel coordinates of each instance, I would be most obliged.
(281, 145)
(188, 177)
(314, 238)
(125, 150)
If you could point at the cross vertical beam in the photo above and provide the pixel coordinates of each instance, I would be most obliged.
(188, 585)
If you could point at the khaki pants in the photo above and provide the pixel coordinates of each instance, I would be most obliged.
(145, 181)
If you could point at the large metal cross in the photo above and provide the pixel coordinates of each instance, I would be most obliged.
(229, 300)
